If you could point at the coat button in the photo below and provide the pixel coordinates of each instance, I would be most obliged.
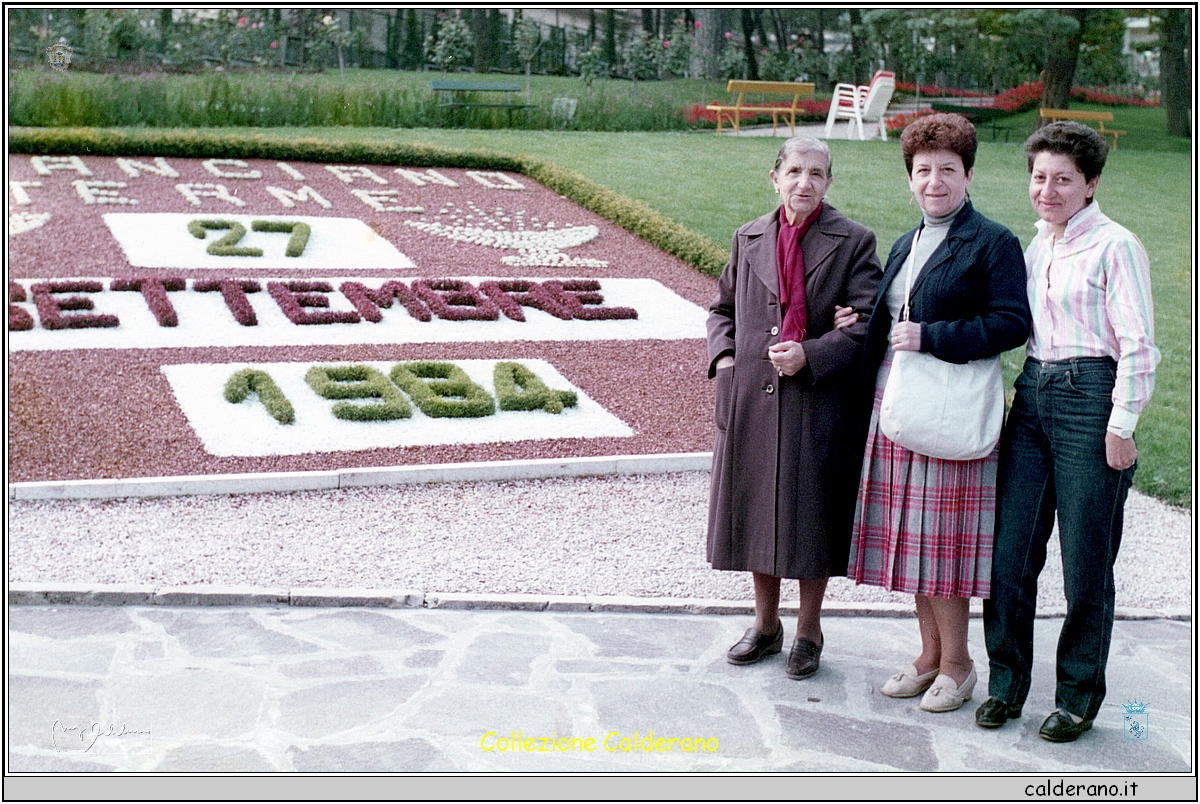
(770, 389)
(774, 330)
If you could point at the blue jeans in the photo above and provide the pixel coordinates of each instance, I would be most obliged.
(1052, 458)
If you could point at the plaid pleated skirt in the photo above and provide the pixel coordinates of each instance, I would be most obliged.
(922, 525)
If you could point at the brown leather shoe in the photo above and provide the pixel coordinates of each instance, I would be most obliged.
(755, 645)
(804, 658)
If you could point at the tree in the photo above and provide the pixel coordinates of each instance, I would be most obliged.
(710, 41)
(1064, 35)
(341, 36)
(610, 38)
(451, 48)
(413, 56)
(748, 43)
(591, 66)
(1174, 48)
(527, 38)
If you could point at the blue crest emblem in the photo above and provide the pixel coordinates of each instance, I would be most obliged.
(1137, 721)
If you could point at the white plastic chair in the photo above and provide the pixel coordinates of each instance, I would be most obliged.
(862, 103)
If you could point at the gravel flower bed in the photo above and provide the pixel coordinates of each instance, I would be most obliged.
(655, 387)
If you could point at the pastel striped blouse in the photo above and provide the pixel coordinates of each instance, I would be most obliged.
(1090, 297)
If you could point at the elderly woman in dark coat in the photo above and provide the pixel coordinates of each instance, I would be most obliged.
(788, 437)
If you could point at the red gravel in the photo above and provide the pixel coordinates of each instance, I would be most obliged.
(110, 414)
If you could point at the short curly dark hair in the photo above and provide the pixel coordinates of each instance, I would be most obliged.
(940, 132)
(1084, 145)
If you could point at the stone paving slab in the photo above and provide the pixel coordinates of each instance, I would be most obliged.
(295, 689)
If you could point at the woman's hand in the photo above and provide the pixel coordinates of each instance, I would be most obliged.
(844, 317)
(906, 336)
(724, 361)
(1120, 452)
(787, 357)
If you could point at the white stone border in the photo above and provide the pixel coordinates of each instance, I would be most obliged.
(90, 594)
(261, 482)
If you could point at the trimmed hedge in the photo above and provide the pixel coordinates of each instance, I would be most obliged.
(247, 381)
(224, 246)
(443, 390)
(359, 382)
(635, 216)
(518, 388)
(300, 233)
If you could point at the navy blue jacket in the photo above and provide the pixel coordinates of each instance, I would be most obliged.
(970, 297)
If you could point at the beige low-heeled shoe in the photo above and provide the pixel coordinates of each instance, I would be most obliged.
(908, 683)
(945, 695)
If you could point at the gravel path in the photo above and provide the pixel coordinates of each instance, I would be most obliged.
(640, 536)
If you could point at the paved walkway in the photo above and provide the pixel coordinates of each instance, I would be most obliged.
(366, 690)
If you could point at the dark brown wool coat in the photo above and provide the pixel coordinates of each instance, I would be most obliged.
(796, 525)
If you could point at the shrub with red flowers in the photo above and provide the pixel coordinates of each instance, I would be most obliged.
(511, 295)
(455, 300)
(50, 308)
(154, 291)
(576, 293)
(1095, 95)
(897, 124)
(1020, 98)
(234, 291)
(368, 301)
(19, 318)
(294, 297)
(932, 90)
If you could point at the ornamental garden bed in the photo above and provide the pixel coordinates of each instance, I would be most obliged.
(172, 316)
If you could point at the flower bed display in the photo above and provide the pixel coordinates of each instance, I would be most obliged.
(229, 318)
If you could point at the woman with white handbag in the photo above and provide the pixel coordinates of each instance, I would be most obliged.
(952, 299)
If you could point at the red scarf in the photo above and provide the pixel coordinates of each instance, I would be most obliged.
(789, 259)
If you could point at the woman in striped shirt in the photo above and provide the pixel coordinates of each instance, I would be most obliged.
(1068, 444)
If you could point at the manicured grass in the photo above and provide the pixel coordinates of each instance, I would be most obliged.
(714, 184)
(1145, 127)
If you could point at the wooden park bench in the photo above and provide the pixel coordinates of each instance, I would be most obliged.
(462, 95)
(1054, 115)
(740, 107)
(981, 116)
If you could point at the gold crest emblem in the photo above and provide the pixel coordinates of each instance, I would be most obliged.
(59, 56)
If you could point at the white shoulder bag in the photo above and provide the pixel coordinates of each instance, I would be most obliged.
(952, 411)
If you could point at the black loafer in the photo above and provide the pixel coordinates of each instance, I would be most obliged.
(1060, 728)
(755, 645)
(804, 658)
(994, 713)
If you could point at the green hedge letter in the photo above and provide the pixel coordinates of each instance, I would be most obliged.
(248, 381)
(359, 382)
(518, 388)
(443, 390)
(227, 245)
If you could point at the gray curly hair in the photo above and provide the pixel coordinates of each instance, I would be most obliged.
(804, 145)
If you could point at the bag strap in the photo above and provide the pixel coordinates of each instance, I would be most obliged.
(906, 310)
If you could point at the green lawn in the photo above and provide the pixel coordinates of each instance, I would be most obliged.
(714, 184)
(1145, 127)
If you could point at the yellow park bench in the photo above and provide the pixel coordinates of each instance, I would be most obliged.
(1054, 115)
(740, 107)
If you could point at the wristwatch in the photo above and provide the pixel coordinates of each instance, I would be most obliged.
(1121, 433)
